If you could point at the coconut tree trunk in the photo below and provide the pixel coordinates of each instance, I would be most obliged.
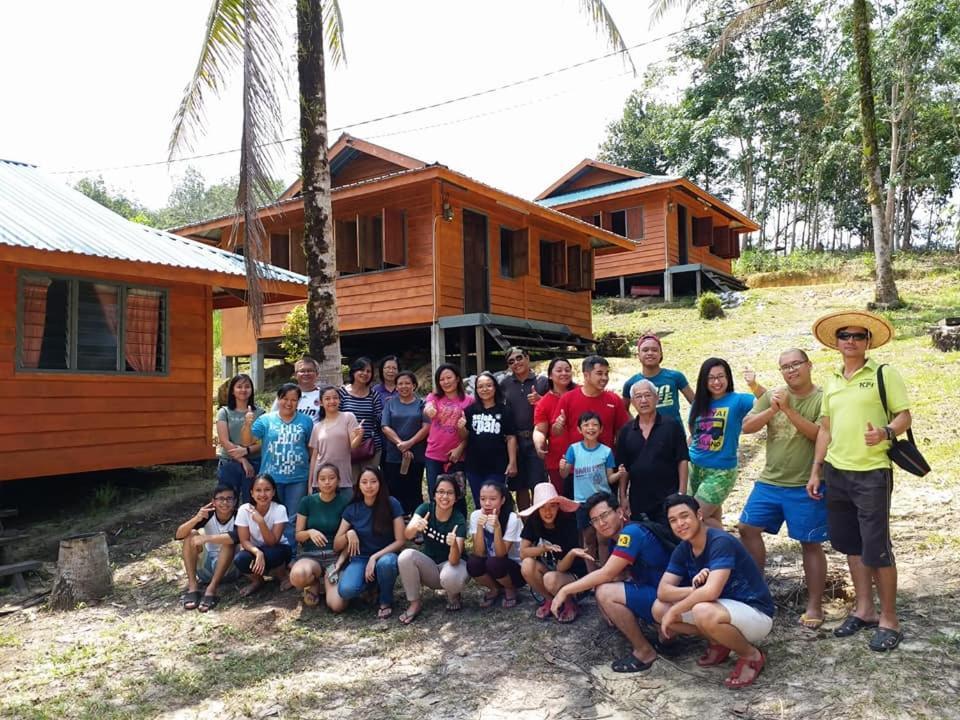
(886, 289)
(318, 240)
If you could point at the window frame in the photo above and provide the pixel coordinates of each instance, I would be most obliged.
(517, 263)
(72, 324)
(354, 220)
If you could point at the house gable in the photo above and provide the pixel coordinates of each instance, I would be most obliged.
(589, 173)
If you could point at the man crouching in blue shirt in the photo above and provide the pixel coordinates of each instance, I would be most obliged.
(627, 583)
(725, 599)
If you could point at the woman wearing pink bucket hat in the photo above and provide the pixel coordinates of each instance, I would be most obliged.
(549, 548)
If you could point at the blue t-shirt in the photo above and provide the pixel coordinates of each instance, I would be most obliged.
(724, 552)
(284, 453)
(406, 420)
(646, 554)
(360, 517)
(589, 469)
(669, 384)
(716, 435)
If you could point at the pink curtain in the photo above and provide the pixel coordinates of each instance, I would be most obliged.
(34, 321)
(142, 330)
(109, 302)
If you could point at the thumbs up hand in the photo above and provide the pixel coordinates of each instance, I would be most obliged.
(560, 424)
(452, 536)
(874, 436)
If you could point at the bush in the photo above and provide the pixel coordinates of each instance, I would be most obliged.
(613, 344)
(709, 306)
(296, 335)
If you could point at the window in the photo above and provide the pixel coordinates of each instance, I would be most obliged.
(72, 324)
(553, 271)
(513, 253)
(280, 251)
(370, 243)
(618, 222)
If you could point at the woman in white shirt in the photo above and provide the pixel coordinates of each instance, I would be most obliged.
(260, 526)
(495, 562)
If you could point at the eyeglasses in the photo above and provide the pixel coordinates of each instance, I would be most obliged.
(224, 499)
(793, 366)
(444, 492)
(716, 378)
(601, 517)
(859, 336)
(310, 371)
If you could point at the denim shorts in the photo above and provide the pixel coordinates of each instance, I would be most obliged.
(769, 506)
(207, 566)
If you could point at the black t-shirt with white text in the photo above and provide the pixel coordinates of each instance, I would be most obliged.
(487, 443)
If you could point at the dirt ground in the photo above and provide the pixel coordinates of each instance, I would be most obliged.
(137, 654)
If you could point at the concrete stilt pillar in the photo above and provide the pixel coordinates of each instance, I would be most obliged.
(623, 289)
(257, 371)
(438, 346)
(480, 342)
(668, 287)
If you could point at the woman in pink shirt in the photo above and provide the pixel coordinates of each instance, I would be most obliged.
(443, 409)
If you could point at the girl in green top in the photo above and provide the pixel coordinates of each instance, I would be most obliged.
(318, 518)
(438, 564)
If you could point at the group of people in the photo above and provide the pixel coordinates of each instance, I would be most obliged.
(572, 492)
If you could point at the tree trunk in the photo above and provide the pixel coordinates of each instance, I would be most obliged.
(886, 289)
(317, 206)
(83, 571)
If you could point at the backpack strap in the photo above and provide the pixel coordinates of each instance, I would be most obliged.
(883, 400)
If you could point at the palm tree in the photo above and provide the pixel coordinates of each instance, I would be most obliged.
(885, 291)
(246, 33)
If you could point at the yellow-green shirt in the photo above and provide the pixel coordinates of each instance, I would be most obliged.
(850, 405)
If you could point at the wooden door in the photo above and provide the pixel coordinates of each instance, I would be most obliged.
(682, 234)
(476, 273)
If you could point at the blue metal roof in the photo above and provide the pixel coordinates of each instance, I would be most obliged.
(42, 213)
(607, 189)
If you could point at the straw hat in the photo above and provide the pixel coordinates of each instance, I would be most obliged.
(544, 493)
(825, 328)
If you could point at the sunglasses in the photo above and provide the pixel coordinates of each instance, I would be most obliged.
(844, 335)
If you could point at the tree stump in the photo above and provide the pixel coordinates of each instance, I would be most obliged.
(83, 571)
(946, 334)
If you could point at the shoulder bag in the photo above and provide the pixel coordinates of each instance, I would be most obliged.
(903, 453)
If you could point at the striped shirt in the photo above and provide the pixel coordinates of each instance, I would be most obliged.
(368, 410)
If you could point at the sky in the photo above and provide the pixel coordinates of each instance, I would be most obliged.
(89, 88)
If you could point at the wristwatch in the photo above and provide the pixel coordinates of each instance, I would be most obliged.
(889, 431)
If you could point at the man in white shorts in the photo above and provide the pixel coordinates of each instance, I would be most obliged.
(713, 588)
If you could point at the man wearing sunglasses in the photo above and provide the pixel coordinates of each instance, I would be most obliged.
(522, 388)
(790, 414)
(851, 460)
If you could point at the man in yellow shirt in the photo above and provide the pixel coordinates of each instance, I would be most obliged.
(850, 459)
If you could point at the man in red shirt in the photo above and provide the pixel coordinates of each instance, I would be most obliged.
(591, 396)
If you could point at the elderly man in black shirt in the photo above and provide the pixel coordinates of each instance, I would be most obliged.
(522, 389)
(653, 449)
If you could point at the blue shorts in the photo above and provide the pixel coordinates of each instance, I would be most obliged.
(640, 599)
(206, 569)
(770, 505)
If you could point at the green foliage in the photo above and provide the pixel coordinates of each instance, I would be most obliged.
(113, 199)
(709, 306)
(296, 334)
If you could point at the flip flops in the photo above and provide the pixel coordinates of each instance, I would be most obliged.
(190, 599)
(488, 600)
(543, 611)
(631, 664)
(569, 612)
(810, 623)
(885, 639)
(209, 602)
(852, 625)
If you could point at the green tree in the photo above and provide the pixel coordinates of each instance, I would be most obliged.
(246, 33)
(192, 200)
(96, 189)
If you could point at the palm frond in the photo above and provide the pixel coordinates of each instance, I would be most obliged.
(221, 52)
(333, 29)
(262, 60)
(743, 22)
(603, 21)
(659, 8)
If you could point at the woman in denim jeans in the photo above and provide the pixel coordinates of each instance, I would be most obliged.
(371, 531)
(239, 463)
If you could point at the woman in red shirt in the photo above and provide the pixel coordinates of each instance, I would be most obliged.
(551, 449)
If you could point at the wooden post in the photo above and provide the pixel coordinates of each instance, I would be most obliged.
(438, 349)
(623, 289)
(83, 571)
(668, 287)
(699, 283)
(229, 367)
(464, 351)
(479, 341)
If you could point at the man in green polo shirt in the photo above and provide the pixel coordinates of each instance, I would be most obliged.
(850, 458)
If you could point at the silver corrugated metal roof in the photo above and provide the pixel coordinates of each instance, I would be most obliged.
(608, 189)
(39, 212)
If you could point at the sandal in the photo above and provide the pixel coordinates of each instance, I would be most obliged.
(332, 572)
(407, 617)
(384, 612)
(885, 639)
(311, 598)
(190, 599)
(209, 602)
(509, 601)
(714, 655)
(543, 612)
(488, 600)
(569, 612)
(734, 682)
(631, 664)
(811, 623)
(852, 625)
(454, 605)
